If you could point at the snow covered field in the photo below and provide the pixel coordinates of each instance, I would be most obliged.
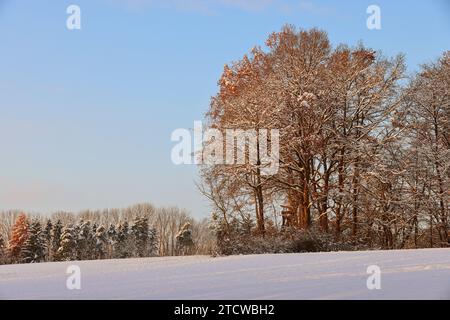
(412, 274)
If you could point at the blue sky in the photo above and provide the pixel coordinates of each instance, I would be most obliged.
(86, 115)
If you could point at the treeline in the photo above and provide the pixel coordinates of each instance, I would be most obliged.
(364, 147)
(138, 231)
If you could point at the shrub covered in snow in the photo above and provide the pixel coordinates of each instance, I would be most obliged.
(235, 239)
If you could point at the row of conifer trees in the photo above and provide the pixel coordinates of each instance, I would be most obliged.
(32, 241)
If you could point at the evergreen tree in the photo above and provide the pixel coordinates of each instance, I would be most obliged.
(94, 228)
(47, 235)
(100, 243)
(112, 240)
(140, 234)
(19, 235)
(84, 240)
(56, 239)
(2, 250)
(68, 249)
(152, 242)
(185, 243)
(34, 248)
(123, 244)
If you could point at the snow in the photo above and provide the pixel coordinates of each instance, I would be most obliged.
(407, 274)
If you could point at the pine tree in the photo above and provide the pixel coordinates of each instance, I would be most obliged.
(100, 243)
(68, 249)
(122, 247)
(19, 235)
(56, 239)
(185, 243)
(47, 235)
(2, 250)
(152, 242)
(94, 228)
(84, 240)
(140, 233)
(112, 240)
(34, 248)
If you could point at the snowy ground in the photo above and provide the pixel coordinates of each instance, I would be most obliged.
(412, 274)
